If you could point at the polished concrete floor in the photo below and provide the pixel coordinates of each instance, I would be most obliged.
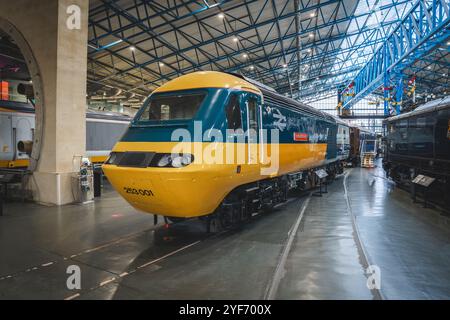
(308, 248)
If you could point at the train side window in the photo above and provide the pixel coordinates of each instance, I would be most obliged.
(165, 112)
(233, 111)
(421, 122)
(253, 114)
(403, 124)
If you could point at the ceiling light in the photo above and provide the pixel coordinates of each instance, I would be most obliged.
(161, 64)
(235, 39)
(245, 55)
(285, 65)
(221, 15)
(312, 15)
(448, 43)
(132, 48)
(311, 35)
(252, 67)
(429, 68)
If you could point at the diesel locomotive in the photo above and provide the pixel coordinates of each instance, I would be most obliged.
(418, 142)
(222, 113)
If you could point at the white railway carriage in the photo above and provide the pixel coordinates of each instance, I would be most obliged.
(17, 123)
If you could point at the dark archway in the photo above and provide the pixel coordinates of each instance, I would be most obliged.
(35, 75)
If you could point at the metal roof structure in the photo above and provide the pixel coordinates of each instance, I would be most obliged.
(306, 49)
(418, 47)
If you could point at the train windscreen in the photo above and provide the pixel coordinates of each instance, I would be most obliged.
(369, 146)
(171, 107)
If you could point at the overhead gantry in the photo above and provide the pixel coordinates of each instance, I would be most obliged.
(422, 30)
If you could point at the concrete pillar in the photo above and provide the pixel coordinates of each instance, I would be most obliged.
(61, 56)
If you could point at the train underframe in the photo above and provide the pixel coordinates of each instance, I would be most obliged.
(403, 170)
(245, 201)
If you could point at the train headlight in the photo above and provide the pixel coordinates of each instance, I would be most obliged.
(165, 160)
(175, 160)
(183, 160)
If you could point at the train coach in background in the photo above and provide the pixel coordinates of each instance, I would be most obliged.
(418, 142)
(343, 140)
(17, 124)
(359, 141)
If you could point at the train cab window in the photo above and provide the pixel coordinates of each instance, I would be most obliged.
(253, 114)
(165, 112)
(233, 111)
(172, 107)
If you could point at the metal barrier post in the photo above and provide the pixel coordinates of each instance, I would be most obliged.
(97, 183)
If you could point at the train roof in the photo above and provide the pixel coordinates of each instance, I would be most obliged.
(340, 121)
(431, 106)
(216, 79)
(362, 129)
(91, 114)
(271, 94)
(15, 106)
(207, 79)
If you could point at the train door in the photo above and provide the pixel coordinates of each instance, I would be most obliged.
(253, 125)
(6, 143)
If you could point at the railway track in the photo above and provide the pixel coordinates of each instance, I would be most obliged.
(280, 270)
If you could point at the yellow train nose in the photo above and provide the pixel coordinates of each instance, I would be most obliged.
(168, 191)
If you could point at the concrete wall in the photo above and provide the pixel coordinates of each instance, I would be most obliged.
(61, 56)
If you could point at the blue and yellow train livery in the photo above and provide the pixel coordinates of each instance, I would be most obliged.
(162, 163)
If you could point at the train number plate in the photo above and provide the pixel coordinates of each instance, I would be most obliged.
(299, 136)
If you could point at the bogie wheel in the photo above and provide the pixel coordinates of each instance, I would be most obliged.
(226, 217)
(213, 224)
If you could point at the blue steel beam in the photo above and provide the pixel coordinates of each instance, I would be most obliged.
(421, 31)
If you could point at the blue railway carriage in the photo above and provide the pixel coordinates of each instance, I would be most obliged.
(281, 141)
